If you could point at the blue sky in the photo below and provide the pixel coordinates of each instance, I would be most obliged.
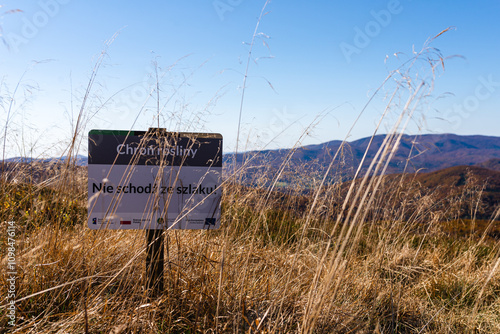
(319, 65)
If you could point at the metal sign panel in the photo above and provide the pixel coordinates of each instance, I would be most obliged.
(154, 180)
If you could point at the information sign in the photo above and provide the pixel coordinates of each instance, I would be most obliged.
(154, 180)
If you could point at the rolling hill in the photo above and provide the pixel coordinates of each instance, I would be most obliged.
(474, 190)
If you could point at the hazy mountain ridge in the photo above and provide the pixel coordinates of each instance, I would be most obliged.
(427, 152)
(80, 160)
(422, 153)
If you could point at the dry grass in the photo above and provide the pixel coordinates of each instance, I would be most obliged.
(260, 272)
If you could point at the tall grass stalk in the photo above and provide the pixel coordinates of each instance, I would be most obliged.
(245, 76)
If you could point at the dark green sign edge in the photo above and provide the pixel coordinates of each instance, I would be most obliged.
(112, 132)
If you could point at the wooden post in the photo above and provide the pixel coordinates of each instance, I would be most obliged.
(154, 263)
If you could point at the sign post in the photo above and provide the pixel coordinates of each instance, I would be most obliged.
(154, 262)
(154, 180)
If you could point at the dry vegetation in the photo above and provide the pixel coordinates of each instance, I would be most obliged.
(280, 263)
(373, 255)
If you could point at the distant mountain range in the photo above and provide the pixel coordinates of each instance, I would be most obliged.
(422, 153)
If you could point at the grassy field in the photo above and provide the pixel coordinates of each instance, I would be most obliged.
(372, 260)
